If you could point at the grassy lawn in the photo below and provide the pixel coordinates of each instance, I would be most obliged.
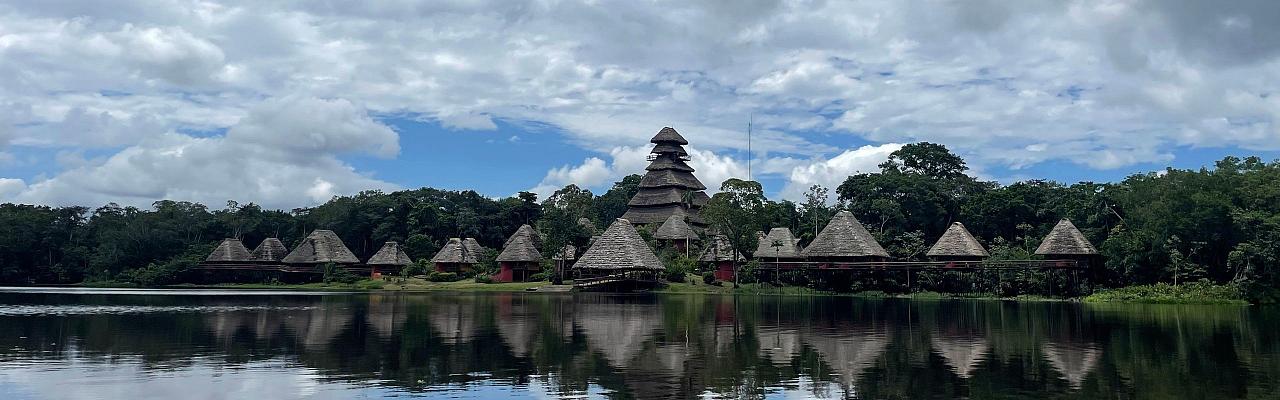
(1162, 293)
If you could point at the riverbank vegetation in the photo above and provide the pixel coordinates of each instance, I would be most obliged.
(1218, 225)
(1163, 293)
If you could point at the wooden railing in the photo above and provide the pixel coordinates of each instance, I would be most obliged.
(924, 265)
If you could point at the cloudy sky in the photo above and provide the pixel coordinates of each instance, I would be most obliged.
(288, 103)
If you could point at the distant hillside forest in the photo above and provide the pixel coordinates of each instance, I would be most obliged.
(1220, 224)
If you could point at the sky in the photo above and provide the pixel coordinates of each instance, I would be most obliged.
(288, 103)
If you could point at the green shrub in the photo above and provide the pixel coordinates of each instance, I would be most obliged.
(334, 273)
(418, 268)
(709, 277)
(484, 278)
(538, 277)
(747, 273)
(437, 276)
(1189, 293)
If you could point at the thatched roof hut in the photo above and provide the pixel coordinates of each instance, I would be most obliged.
(390, 254)
(522, 246)
(270, 250)
(844, 237)
(1066, 240)
(719, 250)
(620, 248)
(321, 246)
(675, 229)
(229, 251)
(789, 245)
(473, 247)
(455, 251)
(957, 242)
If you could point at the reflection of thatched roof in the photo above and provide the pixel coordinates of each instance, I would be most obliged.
(675, 229)
(270, 249)
(230, 250)
(321, 246)
(390, 254)
(844, 236)
(618, 331)
(719, 250)
(453, 320)
(957, 242)
(619, 247)
(1065, 239)
(961, 353)
(849, 355)
(454, 251)
(522, 246)
(668, 135)
(1073, 362)
(778, 345)
(783, 236)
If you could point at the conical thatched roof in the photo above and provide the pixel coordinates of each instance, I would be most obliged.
(675, 229)
(230, 250)
(454, 251)
(1065, 239)
(271, 249)
(957, 242)
(789, 249)
(668, 135)
(619, 247)
(473, 247)
(844, 236)
(522, 246)
(719, 250)
(321, 246)
(390, 254)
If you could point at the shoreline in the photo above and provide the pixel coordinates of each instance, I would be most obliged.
(1146, 294)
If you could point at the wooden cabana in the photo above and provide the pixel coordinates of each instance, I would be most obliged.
(322, 246)
(720, 257)
(456, 256)
(844, 239)
(620, 251)
(389, 259)
(520, 256)
(229, 252)
(675, 232)
(270, 251)
(779, 245)
(957, 244)
(1065, 242)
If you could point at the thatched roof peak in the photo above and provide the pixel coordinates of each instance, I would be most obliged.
(321, 246)
(789, 245)
(522, 246)
(957, 242)
(668, 135)
(271, 249)
(719, 250)
(390, 254)
(1065, 239)
(454, 251)
(675, 229)
(230, 250)
(588, 225)
(620, 247)
(844, 236)
(473, 246)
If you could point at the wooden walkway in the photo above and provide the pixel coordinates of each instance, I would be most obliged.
(987, 265)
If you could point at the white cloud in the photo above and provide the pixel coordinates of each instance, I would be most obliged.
(830, 173)
(592, 172)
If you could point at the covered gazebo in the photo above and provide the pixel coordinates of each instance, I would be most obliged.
(620, 250)
(389, 259)
(322, 246)
(957, 244)
(844, 239)
(229, 252)
(1065, 242)
(270, 251)
(455, 256)
(520, 256)
(779, 245)
(676, 232)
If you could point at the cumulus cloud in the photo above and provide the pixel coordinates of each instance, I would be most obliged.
(1104, 84)
(830, 173)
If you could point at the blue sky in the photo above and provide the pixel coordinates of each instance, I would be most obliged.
(287, 104)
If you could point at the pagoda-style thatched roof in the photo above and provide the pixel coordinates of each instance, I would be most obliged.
(271, 249)
(668, 163)
(1065, 239)
(957, 242)
(668, 177)
(668, 135)
(789, 245)
(230, 250)
(719, 250)
(454, 251)
(675, 229)
(659, 196)
(321, 246)
(522, 246)
(844, 236)
(671, 149)
(390, 254)
(658, 215)
(620, 248)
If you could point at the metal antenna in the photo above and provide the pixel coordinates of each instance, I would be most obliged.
(750, 119)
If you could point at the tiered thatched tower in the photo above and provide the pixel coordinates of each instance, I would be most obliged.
(668, 187)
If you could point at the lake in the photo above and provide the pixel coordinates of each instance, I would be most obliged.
(221, 344)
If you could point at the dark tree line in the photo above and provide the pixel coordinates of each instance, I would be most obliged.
(1221, 224)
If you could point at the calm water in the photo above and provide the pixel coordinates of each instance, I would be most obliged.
(96, 344)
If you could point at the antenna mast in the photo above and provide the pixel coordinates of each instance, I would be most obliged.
(750, 118)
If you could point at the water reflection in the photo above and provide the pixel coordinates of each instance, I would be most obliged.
(84, 345)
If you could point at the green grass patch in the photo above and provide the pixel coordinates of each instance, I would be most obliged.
(1162, 293)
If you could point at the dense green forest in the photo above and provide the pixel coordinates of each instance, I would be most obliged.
(1219, 224)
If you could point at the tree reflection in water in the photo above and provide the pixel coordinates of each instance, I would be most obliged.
(461, 345)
